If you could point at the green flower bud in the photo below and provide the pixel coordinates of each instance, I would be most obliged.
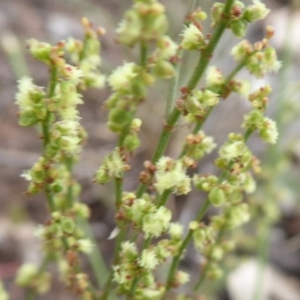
(85, 246)
(164, 69)
(214, 272)
(217, 253)
(181, 278)
(131, 142)
(136, 124)
(216, 196)
(67, 225)
(120, 116)
(40, 51)
(155, 27)
(28, 117)
(114, 127)
(193, 38)
(130, 29)
(256, 11)
(55, 230)
(56, 216)
(81, 210)
(121, 78)
(56, 187)
(176, 231)
(166, 49)
(241, 50)
(216, 12)
(128, 251)
(238, 28)
(25, 274)
(268, 131)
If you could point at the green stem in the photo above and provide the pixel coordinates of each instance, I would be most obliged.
(163, 198)
(69, 165)
(118, 191)
(143, 53)
(178, 67)
(95, 257)
(50, 93)
(162, 144)
(173, 87)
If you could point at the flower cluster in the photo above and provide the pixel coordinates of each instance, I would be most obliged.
(55, 111)
(86, 55)
(260, 59)
(240, 15)
(30, 277)
(146, 216)
(197, 103)
(197, 145)
(161, 59)
(114, 165)
(255, 119)
(171, 175)
(145, 21)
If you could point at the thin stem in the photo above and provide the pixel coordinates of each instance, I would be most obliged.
(50, 93)
(173, 87)
(69, 165)
(143, 53)
(118, 191)
(162, 144)
(95, 257)
(163, 198)
(178, 67)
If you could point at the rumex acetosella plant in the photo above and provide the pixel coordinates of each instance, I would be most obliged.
(143, 214)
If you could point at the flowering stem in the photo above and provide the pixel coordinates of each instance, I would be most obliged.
(209, 262)
(207, 53)
(119, 185)
(51, 90)
(196, 76)
(198, 218)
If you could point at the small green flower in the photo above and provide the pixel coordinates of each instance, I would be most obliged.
(216, 196)
(148, 259)
(192, 38)
(171, 175)
(256, 11)
(121, 79)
